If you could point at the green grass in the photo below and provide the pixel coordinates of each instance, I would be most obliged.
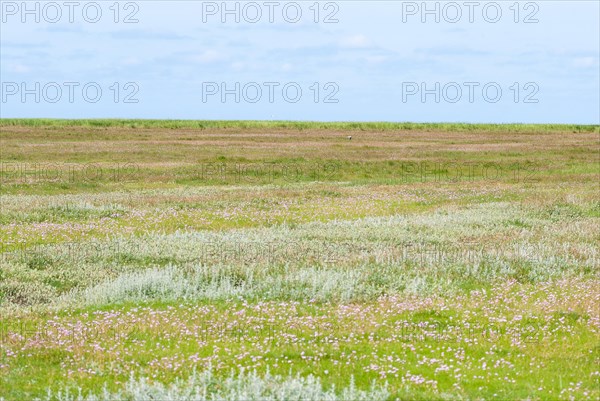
(427, 340)
(349, 126)
(375, 265)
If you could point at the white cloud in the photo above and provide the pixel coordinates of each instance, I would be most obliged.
(238, 66)
(208, 56)
(585, 62)
(376, 59)
(355, 42)
(18, 68)
(131, 61)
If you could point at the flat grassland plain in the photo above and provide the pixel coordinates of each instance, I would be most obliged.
(279, 260)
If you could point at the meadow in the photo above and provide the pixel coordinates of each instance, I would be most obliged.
(215, 260)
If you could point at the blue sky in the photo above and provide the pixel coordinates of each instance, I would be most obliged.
(375, 61)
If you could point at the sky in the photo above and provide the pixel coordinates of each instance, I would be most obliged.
(464, 61)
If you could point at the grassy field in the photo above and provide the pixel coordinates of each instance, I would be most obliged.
(281, 260)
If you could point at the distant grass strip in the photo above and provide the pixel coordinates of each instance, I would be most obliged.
(300, 125)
